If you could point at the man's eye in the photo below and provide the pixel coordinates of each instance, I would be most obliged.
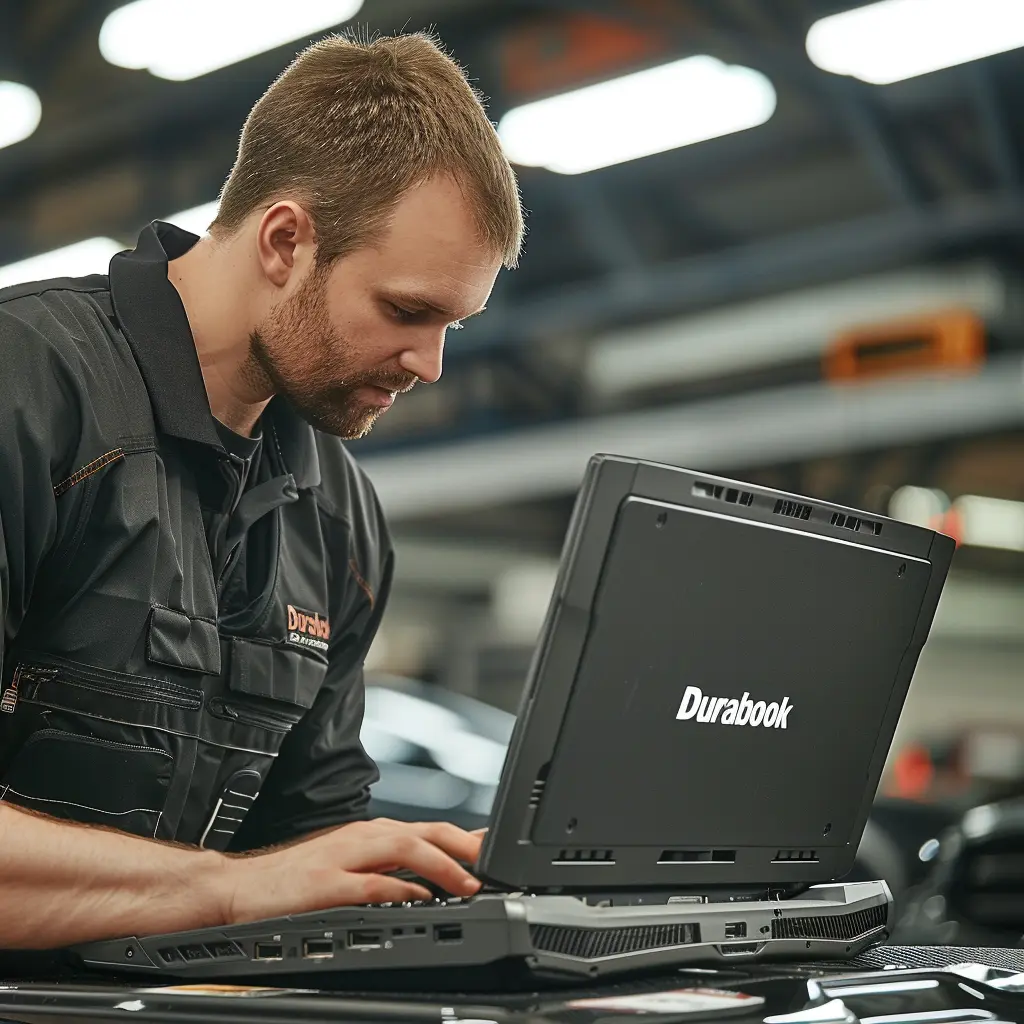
(401, 314)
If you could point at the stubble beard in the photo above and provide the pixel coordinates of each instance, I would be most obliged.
(306, 361)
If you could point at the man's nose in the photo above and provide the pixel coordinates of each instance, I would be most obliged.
(425, 358)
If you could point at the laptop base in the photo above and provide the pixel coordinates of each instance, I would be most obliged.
(547, 936)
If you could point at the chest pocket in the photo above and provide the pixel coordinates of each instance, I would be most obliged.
(270, 685)
(177, 640)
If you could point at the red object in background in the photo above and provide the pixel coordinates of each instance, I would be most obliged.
(912, 773)
(951, 524)
(561, 52)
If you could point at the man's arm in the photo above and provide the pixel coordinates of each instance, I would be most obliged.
(62, 883)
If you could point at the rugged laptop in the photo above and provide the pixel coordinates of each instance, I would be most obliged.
(700, 739)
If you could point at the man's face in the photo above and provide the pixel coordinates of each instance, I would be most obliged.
(355, 334)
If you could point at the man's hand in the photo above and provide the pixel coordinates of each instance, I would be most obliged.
(349, 865)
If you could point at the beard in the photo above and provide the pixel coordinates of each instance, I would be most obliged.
(314, 368)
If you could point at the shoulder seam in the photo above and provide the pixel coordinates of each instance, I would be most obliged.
(44, 291)
(114, 455)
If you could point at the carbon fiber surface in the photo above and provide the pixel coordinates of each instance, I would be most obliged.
(880, 957)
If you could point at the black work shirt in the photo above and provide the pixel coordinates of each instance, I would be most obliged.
(245, 449)
(184, 619)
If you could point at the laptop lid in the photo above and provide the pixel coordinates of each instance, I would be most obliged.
(715, 689)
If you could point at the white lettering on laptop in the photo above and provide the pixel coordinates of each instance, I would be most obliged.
(732, 711)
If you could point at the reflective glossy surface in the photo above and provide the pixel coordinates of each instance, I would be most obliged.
(774, 994)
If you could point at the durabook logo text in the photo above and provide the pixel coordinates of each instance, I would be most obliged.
(729, 711)
(308, 629)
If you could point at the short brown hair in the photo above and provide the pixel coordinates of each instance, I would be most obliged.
(351, 125)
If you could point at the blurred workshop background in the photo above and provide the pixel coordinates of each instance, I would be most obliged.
(775, 239)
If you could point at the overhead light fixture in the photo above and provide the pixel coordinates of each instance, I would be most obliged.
(990, 522)
(677, 104)
(971, 520)
(90, 256)
(920, 506)
(893, 40)
(20, 112)
(181, 39)
(197, 219)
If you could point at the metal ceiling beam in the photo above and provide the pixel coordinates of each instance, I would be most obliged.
(874, 139)
(844, 98)
(999, 139)
(852, 101)
(599, 225)
(825, 253)
(13, 19)
(742, 432)
(70, 150)
(788, 328)
(57, 48)
(152, 108)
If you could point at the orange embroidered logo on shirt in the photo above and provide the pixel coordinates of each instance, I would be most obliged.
(308, 629)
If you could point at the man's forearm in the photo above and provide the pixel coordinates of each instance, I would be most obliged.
(62, 883)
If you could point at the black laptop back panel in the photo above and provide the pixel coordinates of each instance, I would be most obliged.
(807, 616)
(772, 626)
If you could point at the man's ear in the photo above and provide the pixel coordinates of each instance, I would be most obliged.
(285, 242)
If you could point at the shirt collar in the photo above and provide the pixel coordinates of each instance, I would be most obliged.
(152, 317)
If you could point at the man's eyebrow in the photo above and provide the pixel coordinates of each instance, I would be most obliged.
(421, 302)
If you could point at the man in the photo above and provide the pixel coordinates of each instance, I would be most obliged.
(190, 573)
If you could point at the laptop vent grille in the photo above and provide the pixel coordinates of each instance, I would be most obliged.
(592, 943)
(856, 524)
(585, 857)
(843, 927)
(787, 855)
(732, 495)
(538, 786)
(793, 509)
(697, 857)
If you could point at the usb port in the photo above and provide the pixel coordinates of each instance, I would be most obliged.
(268, 951)
(739, 948)
(448, 933)
(736, 930)
(317, 949)
(360, 939)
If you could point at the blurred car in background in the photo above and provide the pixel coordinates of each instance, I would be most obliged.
(439, 752)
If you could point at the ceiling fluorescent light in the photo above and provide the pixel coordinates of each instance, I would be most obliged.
(991, 522)
(20, 111)
(920, 506)
(180, 39)
(90, 256)
(196, 220)
(898, 39)
(637, 115)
